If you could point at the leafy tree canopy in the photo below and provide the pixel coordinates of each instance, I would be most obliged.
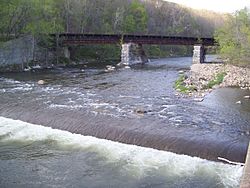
(234, 37)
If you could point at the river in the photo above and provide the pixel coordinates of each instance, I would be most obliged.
(104, 108)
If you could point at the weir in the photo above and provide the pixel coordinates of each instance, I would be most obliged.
(170, 139)
(82, 156)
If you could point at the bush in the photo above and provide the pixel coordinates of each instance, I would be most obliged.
(218, 80)
(234, 38)
(181, 86)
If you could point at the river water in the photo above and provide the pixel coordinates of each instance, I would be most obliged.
(89, 101)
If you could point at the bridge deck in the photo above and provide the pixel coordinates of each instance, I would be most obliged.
(81, 39)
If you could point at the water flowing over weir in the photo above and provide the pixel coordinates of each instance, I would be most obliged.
(108, 105)
(32, 156)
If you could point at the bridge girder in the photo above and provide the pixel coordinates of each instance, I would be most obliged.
(82, 39)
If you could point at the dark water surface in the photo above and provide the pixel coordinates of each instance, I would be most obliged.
(90, 101)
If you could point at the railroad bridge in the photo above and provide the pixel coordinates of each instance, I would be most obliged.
(132, 51)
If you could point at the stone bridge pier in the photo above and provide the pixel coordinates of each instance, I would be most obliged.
(132, 53)
(198, 54)
(66, 52)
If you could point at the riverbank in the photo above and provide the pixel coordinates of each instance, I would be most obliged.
(203, 78)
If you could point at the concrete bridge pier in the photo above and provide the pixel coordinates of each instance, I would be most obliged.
(199, 54)
(132, 53)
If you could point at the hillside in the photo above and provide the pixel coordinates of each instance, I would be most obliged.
(18, 17)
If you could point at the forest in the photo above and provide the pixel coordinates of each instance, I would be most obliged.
(42, 17)
(234, 38)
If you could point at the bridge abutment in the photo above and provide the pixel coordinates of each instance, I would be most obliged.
(198, 54)
(132, 53)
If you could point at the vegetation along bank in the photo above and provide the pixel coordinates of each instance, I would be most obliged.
(234, 49)
(38, 19)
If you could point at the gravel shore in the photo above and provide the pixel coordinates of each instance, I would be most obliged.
(201, 74)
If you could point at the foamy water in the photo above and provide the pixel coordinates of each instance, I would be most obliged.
(135, 162)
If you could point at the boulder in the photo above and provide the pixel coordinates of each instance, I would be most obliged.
(246, 97)
(26, 69)
(238, 102)
(41, 82)
(181, 72)
(198, 99)
(140, 111)
(109, 68)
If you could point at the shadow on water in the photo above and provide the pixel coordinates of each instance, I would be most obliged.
(135, 106)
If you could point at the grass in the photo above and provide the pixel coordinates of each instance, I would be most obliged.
(181, 86)
(216, 81)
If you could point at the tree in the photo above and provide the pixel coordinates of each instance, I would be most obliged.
(15, 14)
(155, 17)
(234, 37)
(136, 19)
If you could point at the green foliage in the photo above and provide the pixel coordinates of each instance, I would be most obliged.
(98, 16)
(156, 51)
(181, 86)
(45, 18)
(63, 60)
(216, 81)
(41, 17)
(136, 19)
(100, 52)
(234, 38)
(13, 16)
(129, 24)
(28, 16)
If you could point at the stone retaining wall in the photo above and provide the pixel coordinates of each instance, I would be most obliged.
(17, 51)
(17, 54)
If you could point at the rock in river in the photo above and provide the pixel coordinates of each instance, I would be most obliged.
(41, 82)
(238, 102)
(198, 99)
(140, 111)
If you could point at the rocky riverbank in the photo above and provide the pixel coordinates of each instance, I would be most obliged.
(203, 78)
